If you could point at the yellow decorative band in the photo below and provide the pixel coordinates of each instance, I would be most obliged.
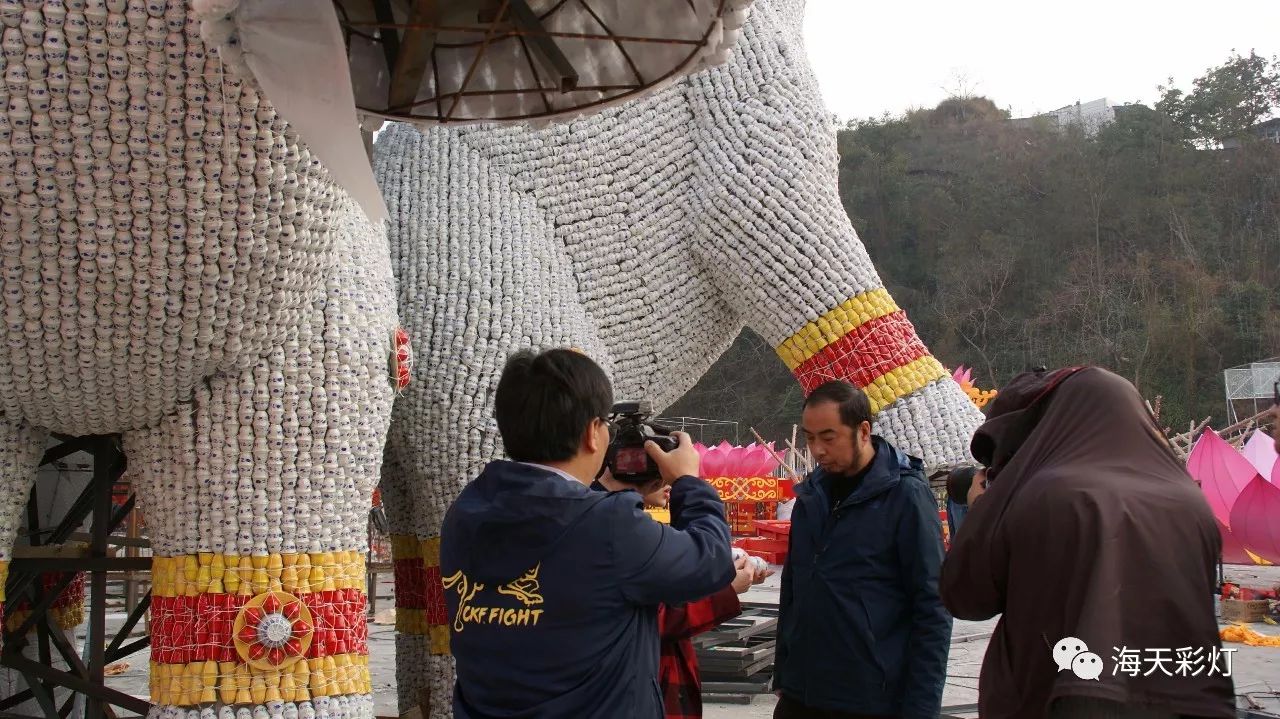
(902, 381)
(414, 621)
(834, 324)
(238, 683)
(67, 617)
(406, 546)
(211, 573)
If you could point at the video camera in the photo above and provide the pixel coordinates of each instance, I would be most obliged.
(626, 458)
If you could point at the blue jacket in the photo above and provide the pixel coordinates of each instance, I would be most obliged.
(553, 591)
(862, 628)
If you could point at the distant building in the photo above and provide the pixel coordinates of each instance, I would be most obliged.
(1088, 116)
(1268, 131)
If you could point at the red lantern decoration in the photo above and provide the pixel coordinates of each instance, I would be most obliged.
(401, 359)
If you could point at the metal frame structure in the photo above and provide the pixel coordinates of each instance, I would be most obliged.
(1253, 383)
(409, 48)
(683, 424)
(40, 627)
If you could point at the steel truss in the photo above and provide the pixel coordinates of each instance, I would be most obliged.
(83, 678)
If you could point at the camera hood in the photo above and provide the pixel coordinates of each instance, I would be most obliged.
(624, 408)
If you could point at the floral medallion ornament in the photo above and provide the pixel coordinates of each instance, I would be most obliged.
(273, 630)
(401, 359)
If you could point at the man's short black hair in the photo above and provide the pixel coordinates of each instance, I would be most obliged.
(855, 407)
(546, 400)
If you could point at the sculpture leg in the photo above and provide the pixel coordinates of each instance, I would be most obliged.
(485, 275)
(257, 494)
(772, 221)
(21, 447)
(422, 639)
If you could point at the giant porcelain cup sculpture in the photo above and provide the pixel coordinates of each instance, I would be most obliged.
(647, 235)
(176, 266)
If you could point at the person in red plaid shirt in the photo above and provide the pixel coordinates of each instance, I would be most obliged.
(678, 625)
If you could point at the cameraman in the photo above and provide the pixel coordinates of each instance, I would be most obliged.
(553, 589)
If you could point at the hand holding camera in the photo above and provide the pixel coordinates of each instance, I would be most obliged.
(681, 461)
(641, 453)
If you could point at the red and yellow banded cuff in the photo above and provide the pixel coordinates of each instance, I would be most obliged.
(420, 605)
(868, 341)
(67, 608)
(253, 629)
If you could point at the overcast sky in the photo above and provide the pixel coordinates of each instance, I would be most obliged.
(877, 57)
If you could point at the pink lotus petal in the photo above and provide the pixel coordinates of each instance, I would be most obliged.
(743, 460)
(770, 462)
(759, 464)
(1260, 450)
(1232, 551)
(713, 462)
(1221, 471)
(1255, 519)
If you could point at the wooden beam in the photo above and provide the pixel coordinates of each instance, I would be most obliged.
(527, 20)
(414, 54)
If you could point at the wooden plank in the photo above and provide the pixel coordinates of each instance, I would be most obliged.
(753, 621)
(527, 20)
(114, 540)
(726, 698)
(414, 54)
(740, 687)
(732, 653)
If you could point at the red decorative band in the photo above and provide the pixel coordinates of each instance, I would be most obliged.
(199, 628)
(419, 587)
(865, 353)
(72, 594)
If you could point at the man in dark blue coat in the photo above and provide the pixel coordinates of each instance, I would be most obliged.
(553, 589)
(863, 632)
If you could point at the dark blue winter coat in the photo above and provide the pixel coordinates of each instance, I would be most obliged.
(553, 591)
(862, 627)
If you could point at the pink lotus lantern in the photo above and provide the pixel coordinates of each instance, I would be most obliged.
(726, 460)
(1221, 471)
(1255, 520)
(743, 477)
(1233, 552)
(1245, 505)
(1260, 450)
